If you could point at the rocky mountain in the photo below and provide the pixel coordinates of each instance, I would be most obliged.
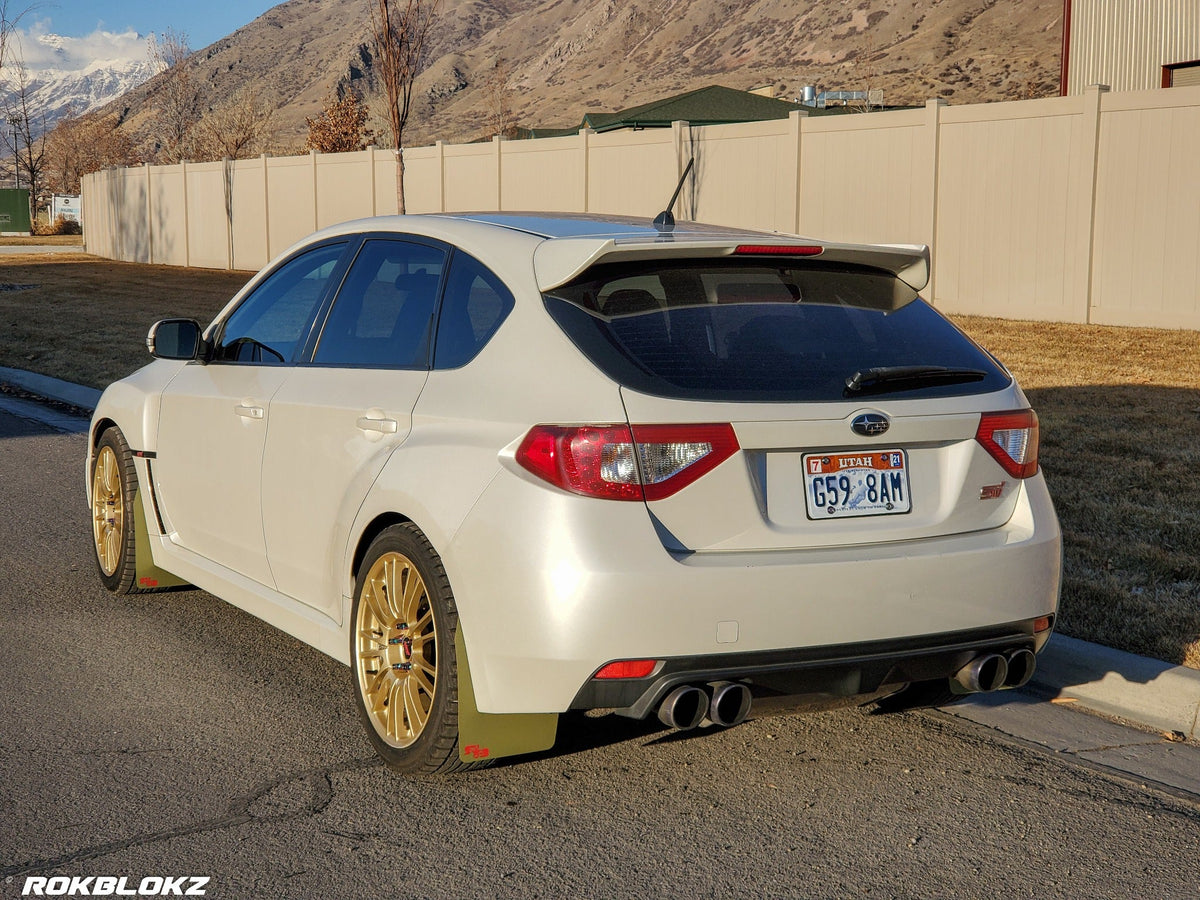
(568, 56)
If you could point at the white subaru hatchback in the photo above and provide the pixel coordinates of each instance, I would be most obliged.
(508, 466)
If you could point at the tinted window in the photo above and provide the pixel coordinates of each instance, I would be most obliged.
(383, 313)
(475, 303)
(274, 320)
(762, 332)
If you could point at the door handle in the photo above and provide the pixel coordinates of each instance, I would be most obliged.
(250, 412)
(383, 426)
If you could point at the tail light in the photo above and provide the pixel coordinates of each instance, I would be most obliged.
(616, 462)
(1011, 438)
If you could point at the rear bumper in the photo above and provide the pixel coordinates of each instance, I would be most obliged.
(550, 587)
(834, 672)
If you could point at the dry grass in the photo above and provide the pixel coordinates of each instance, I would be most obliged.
(1120, 413)
(54, 240)
(85, 319)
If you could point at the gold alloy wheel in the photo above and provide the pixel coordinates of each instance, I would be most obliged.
(396, 650)
(108, 510)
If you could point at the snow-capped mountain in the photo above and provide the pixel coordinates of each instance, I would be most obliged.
(53, 93)
(60, 82)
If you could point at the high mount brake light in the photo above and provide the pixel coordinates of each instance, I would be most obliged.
(615, 462)
(778, 250)
(1011, 438)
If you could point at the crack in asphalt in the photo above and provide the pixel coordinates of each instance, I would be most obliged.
(239, 812)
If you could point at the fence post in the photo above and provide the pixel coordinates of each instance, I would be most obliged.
(187, 229)
(374, 192)
(227, 177)
(266, 207)
(496, 143)
(149, 219)
(796, 120)
(1088, 165)
(585, 145)
(441, 152)
(933, 124)
(316, 213)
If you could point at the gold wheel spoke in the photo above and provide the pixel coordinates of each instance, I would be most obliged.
(369, 639)
(416, 714)
(393, 575)
(397, 720)
(376, 603)
(414, 593)
(423, 678)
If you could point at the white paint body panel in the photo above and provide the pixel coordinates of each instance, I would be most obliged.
(268, 513)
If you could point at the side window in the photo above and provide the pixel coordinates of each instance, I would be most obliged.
(475, 304)
(384, 311)
(274, 320)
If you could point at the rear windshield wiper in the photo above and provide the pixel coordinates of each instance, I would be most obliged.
(883, 379)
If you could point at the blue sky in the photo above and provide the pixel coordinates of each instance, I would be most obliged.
(100, 29)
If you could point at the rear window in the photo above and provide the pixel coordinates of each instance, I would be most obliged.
(753, 331)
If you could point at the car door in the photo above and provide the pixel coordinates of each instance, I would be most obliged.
(337, 418)
(213, 416)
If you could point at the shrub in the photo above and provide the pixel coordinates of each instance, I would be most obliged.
(60, 225)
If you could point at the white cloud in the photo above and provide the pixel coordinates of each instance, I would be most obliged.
(41, 48)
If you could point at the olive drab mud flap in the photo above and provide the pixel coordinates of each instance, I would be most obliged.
(489, 736)
(149, 576)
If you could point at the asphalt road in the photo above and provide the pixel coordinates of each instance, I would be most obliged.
(173, 735)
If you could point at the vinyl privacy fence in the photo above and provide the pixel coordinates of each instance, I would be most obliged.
(1078, 209)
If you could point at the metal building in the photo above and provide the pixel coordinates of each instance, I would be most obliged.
(1130, 45)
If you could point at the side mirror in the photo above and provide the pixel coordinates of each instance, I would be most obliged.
(174, 339)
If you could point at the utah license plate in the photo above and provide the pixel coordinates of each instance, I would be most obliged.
(843, 485)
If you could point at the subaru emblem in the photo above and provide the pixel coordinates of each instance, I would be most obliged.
(870, 424)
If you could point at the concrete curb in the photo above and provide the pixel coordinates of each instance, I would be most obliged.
(51, 388)
(1144, 691)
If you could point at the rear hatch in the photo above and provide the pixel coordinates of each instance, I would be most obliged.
(860, 414)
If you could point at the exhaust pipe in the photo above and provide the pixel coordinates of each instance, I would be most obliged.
(683, 708)
(986, 672)
(1021, 664)
(730, 703)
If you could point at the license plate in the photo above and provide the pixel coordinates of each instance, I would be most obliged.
(845, 485)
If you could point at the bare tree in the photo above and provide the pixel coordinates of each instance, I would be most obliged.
(28, 126)
(8, 24)
(341, 126)
(237, 130)
(79, 144)
(175, 96)
(498, 94)
(9, 19)
(400, 29)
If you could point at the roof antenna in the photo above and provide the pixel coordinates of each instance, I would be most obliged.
(664, 221)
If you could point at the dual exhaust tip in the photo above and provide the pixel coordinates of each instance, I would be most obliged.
(724, 703)
(995, 671)
(727, 703)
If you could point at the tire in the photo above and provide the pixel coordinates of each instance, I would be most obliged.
(114, 488)
(404, 670)
(918, 695)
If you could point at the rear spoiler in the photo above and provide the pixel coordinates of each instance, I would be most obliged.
(559, 260)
